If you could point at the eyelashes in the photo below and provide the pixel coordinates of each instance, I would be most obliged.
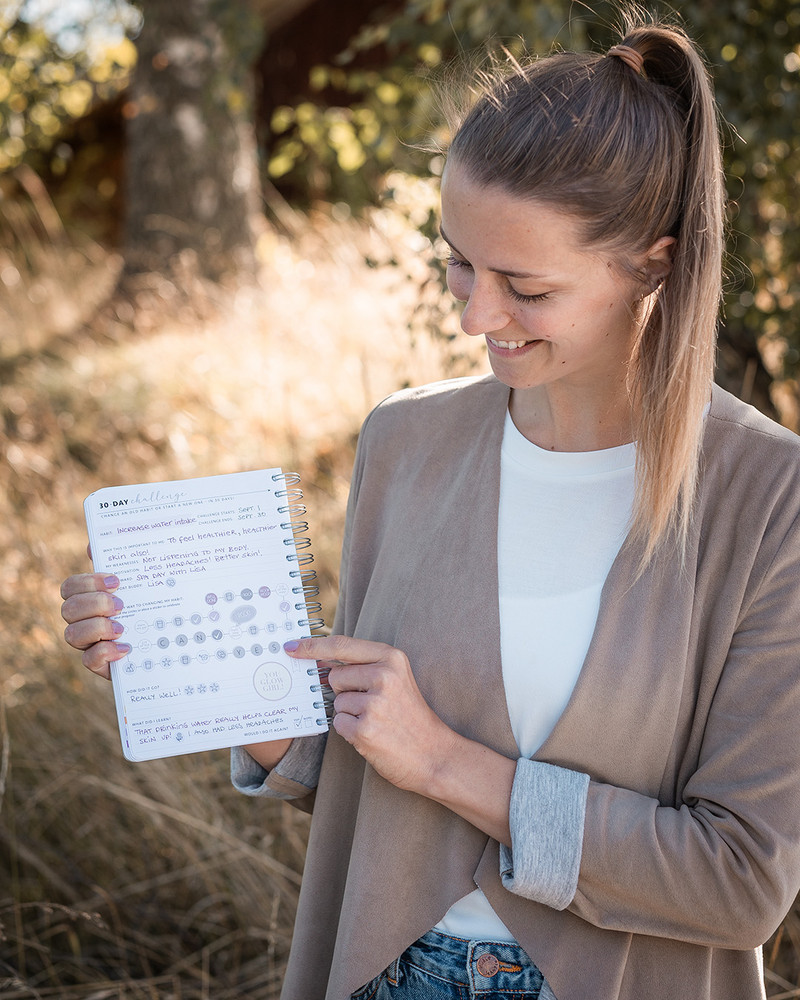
(453, 261)
(519, 297)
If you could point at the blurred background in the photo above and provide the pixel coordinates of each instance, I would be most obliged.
(217, 252)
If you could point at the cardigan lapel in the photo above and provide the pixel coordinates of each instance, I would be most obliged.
(454, 595)
(630, 687)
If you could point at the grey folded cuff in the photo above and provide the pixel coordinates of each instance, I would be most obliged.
(294, 777)
(547, 814)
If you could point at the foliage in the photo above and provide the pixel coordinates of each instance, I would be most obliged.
(381, 116)
(754, 46)
(43, 87)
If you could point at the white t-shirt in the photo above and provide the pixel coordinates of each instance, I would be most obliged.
(562, 520)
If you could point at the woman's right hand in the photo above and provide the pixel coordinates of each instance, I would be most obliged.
(89, 604)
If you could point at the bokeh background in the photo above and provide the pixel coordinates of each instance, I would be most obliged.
(217, 252)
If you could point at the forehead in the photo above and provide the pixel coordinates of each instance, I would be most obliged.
(489, 218)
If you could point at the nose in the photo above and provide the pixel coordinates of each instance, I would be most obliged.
(484, 311)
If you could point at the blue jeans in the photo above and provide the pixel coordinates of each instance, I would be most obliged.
(440, 967)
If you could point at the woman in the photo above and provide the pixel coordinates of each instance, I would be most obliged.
(565, 664)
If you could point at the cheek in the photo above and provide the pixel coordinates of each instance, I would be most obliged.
(459, 282)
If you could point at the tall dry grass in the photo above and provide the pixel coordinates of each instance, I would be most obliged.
(156, 880)
(122, 880)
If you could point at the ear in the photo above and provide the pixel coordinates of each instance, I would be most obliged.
(658, 261)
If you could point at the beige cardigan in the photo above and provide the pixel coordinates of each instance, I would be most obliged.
(685, 716)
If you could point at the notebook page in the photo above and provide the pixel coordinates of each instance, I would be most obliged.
(212, 585)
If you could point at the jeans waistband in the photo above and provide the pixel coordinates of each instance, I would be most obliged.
(490, 966)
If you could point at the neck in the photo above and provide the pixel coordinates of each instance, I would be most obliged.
(583, 424)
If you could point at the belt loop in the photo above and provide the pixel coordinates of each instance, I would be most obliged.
(393, 972)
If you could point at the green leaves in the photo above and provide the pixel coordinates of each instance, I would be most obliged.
(42, 88)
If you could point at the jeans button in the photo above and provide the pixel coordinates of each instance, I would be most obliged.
(487, 965)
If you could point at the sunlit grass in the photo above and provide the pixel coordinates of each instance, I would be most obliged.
(156, 879)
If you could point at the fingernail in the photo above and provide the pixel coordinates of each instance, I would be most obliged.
(123, 647)
(117, 629)
(111, 582)
(291, 645)
(118, 605)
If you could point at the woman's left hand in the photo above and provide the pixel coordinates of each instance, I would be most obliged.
(380, 710)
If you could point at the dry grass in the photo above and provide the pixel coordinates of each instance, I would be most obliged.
(156, 880)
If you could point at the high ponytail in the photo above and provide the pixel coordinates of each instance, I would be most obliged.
(673, 366)
(629, 143)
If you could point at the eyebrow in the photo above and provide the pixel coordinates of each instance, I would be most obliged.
(495, 270)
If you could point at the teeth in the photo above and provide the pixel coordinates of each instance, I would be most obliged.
(508, 345)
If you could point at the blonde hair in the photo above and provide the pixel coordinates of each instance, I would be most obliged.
(636, 157)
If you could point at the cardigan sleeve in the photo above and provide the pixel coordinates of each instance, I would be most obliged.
(295, 776)
(544, 858)
(721, 868)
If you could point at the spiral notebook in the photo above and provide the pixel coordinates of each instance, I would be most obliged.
(215, 576)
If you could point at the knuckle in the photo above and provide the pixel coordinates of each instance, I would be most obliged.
(90, 663)
(395, 657)
(96, 657)
(366, 730)
(339, 642)
(75, 584)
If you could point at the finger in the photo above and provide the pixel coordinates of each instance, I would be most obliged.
(324, 668)
(346, 726)
(85, 633)
(354, 677)
(88, 583)
(95, 605)
(351, 703)
(99, 657)
(337, 647)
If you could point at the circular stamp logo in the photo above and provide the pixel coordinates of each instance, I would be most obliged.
(272, 681)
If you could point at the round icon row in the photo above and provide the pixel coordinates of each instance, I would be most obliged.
(246, 595)
(239, 652)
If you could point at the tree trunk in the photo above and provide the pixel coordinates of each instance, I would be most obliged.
(192, 179)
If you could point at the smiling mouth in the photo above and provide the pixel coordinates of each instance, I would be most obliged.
(509, 345)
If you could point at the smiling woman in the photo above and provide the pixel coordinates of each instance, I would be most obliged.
(560, 319)
(564, 668)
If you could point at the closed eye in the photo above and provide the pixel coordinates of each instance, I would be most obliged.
(519, 297)
(453, 261)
